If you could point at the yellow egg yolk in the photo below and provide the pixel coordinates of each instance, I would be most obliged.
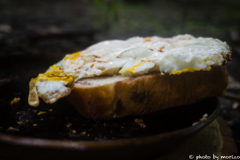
(73, 56)
(55, 73)
(131, 70)
(188, 70)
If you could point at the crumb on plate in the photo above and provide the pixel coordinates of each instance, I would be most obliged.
(15, 100)
(41, 112)
(68, 124)
(12, 129)
(140, 122)
(74, 131)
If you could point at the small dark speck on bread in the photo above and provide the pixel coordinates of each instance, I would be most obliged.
(119, 107)
(138, 97)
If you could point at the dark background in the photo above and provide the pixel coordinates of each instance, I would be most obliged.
(36, 34)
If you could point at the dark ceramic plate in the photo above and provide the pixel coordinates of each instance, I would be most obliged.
(61, 133)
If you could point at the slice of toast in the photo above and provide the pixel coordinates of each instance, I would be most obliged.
(109, 97)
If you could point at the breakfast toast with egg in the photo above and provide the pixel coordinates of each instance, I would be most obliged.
(117, 78)
(118, 96)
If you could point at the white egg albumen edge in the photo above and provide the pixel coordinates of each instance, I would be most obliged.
(179, 52)
(52, 90)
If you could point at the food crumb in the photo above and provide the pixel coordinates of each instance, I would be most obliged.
(122, 127)
(140, 122)
(50, 110)
(194, 123)
(104, 124)
(12, 129)
(204, 118)
(68, 124)
(41, 112)
(20, 123)
(15, 100)
(136, 120)
(88, 135)
(41, 119)
(35, 125)
(84, 133)
(74, 131)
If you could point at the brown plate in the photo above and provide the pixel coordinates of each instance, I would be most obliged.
(61, 133)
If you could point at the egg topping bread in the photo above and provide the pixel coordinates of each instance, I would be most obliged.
(136, 76)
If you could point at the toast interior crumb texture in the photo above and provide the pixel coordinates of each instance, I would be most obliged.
(108, 98)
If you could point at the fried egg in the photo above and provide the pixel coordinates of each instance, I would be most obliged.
(132, 57)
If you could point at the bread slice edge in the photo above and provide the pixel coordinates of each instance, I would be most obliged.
(104, 98)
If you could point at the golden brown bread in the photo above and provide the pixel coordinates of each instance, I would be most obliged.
(146, 93)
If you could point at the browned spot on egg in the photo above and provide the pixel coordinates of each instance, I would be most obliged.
(147, 40)
(185, 38)
(101, 68)
(92, 66)
(161, 49)
(101, 62)
(96, 56)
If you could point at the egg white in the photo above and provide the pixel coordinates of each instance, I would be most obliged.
(168, 54)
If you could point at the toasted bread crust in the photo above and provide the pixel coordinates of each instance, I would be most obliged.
(147, 93)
